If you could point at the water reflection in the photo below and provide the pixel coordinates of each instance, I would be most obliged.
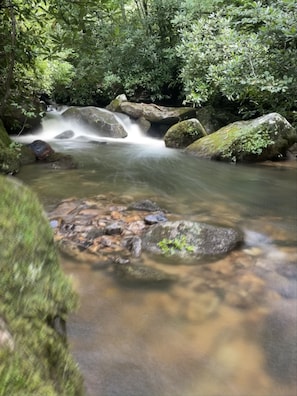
(226, 328)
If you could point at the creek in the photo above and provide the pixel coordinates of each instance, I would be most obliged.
(226, 327)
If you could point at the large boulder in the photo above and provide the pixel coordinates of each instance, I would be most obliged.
(182, 134)
(187, 239)
(264, 138)
(35, 300)
(103, 121)
(156, 114)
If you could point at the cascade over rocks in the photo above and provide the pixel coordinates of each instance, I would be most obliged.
(264, 138)
(103, 121)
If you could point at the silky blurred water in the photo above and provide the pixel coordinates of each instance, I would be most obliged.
(225, 328)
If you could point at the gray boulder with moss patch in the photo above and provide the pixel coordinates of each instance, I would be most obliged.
(264, 138)
(35, 300)
(183, 133)
(188, 239)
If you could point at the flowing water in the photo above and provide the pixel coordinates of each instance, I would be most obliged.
(226, 327)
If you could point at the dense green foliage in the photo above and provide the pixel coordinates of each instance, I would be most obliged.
(246, 52)
(211, 51)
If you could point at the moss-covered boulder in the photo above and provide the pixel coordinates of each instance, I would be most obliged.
(183, 133)
(9, 153)
(264, 138)
(35, 300)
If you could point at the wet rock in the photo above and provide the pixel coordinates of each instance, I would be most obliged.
(41, 149)
(155, 218)
(186, 239)
(59, 161)
(145, 205)
(279, 342)
(141, 274)
(134, 244)
(65, 135)
(103, 121)
(114, 228)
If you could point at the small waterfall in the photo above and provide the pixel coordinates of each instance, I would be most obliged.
(54, 125)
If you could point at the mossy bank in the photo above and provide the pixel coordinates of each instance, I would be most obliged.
(36, 298)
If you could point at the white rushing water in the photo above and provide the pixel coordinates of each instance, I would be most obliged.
(54, 124)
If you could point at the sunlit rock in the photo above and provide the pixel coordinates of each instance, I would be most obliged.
(264, 138)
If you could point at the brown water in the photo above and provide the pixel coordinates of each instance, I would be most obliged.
(225, 328)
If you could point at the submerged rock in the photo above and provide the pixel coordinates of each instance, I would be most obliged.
(145, 205)
(139, 273)
(264, 138)
(186, 239)
(65, 135)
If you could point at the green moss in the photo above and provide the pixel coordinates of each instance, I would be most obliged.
(9, 153)
(34, 291)
(170, 246)
(267, 137)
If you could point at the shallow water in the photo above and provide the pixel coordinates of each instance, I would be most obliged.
(225, 328)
